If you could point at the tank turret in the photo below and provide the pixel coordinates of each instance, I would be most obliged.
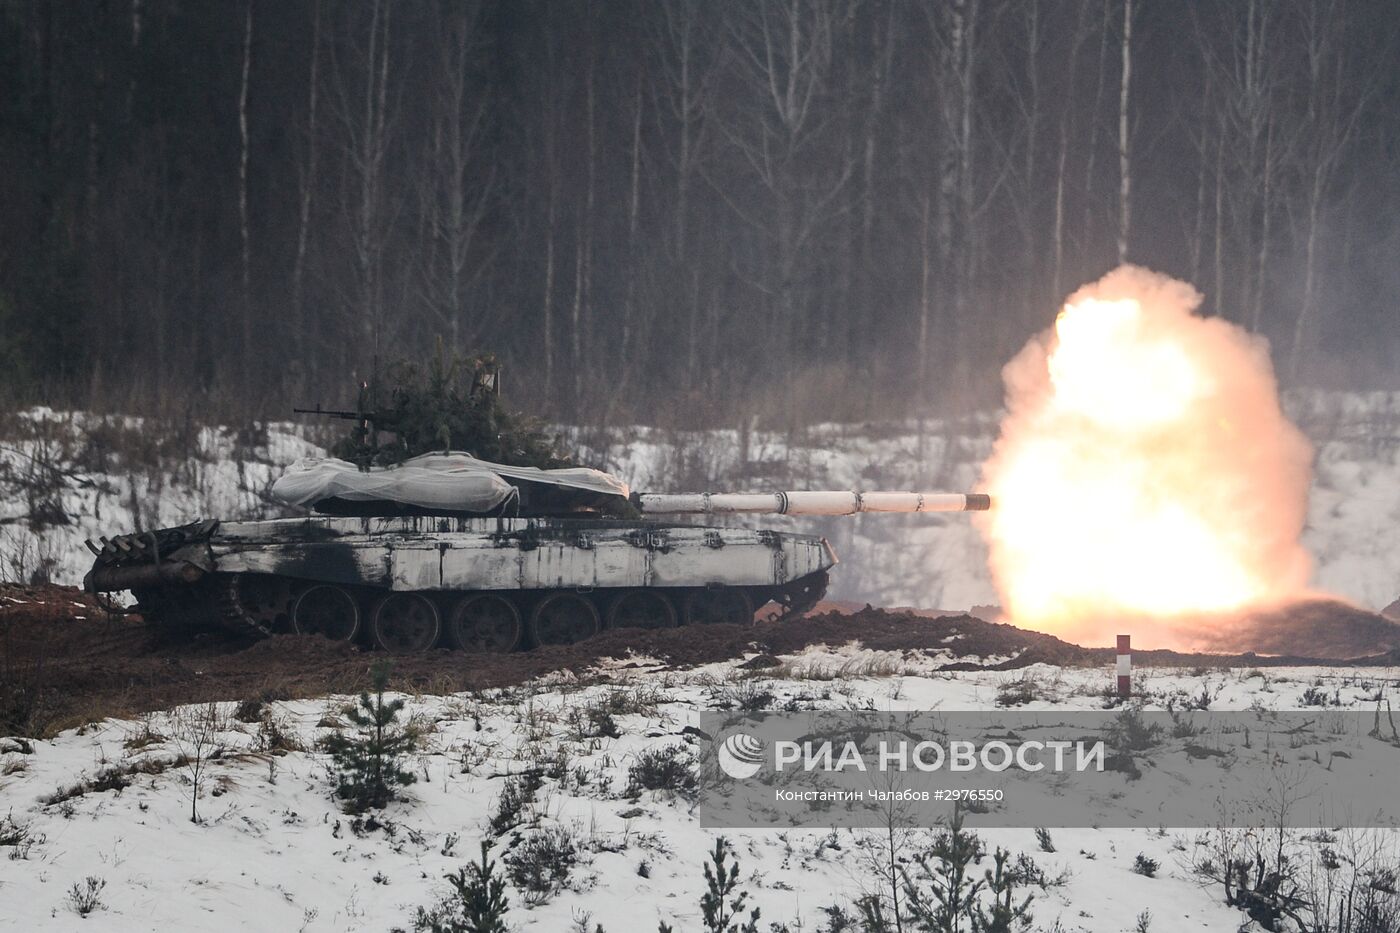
(449, 550)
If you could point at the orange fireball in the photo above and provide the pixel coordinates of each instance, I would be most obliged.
(1145, 469)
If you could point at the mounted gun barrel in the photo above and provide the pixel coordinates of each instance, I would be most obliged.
(336, 413)
(811, 502)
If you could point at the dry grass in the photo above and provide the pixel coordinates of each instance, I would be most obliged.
(866, 665)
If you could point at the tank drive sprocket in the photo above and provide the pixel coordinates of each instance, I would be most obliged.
(254, 603)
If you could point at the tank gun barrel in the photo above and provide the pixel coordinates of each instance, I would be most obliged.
(811, 502)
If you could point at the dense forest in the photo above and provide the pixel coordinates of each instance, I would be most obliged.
(682, 212)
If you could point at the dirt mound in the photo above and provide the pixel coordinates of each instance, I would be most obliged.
(64, 661)
(1392, 612)
(47, 601)
(1324, 628)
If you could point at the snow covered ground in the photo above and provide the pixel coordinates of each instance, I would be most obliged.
(67, 477)
(274, 851)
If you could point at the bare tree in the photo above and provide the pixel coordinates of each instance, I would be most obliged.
(136, 25)
(546, 141)
(1125, 165)
(1096, 107)
(1336, 98)
(1066, 132)
(641, 205)
(689, 64)
(1241, 55)
(307, 177)
(245, 261)
(583, 237)
(954, 29)
(196, 731)
(459, 178)
(783, 60)
(361, 97)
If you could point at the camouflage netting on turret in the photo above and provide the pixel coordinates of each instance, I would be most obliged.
(437, 483)
(451, 404)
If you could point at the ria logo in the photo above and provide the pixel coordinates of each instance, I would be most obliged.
(741, 755)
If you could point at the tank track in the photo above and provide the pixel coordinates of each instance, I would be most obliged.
(226, 602)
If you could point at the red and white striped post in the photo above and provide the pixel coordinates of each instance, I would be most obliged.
(1125, 667)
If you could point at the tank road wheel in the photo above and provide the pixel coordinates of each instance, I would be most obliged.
(486, 623)
(719, 605)
(563, 619)
(404, 623)
(641, 609)
(328, 611)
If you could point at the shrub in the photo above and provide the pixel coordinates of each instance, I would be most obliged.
(12, 833)
(1130, 732)
(540, 865)
(368, 763)
(86, 897)
(275, 737)
(517, 793)
(753, 697)
(597, 717)
(667, 768)
(1316, 696)
(146, 737)
(838, 920)
(1042, 836)
(17, 837)
(1018, 692)
(27, 704)
(1026, 872)
(109, 778)
(597, 723)
(249, 709)
(1147, 867)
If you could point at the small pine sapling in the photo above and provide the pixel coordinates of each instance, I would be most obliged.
(1004, 914)
(478, 902)
(951, 891)
(722, 905)
(368, 762)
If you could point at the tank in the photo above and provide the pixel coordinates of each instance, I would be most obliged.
(449, 550)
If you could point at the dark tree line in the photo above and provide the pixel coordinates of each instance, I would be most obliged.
(676, 210)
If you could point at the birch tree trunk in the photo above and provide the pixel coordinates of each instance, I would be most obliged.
(308, 180)
(1125, 174)
(1066, 130)
(245, 258)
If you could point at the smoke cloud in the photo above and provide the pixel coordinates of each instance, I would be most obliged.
(1145, 477)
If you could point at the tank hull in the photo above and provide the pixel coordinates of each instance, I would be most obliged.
(415, 582)
(419, 553)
